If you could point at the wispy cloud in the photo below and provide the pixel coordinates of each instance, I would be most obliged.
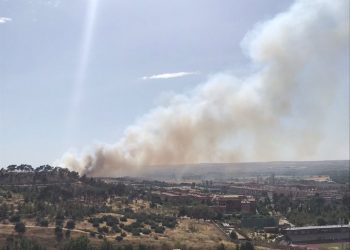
(5, 20)
(169, 75)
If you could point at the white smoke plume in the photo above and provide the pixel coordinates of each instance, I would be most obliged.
(281, 111)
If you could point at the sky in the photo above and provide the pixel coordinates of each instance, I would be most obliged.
(77, 73)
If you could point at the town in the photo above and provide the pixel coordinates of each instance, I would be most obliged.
(56, 208)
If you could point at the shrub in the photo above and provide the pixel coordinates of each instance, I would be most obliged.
(59, 222)
(233, 235)
(70, 224)
(128, 228)
(159, 230)
(119, 238)
(247, 246)
(68, 234)
(43, 223)
(136, 224)
(59, 219)
(135, 232)
(103, 229)
(153, 225)
(146, 231)
(58, 233)
(20, 227)
(95, 221)
(321, 221)
(15, 218)
(111, 220)
(116, 229)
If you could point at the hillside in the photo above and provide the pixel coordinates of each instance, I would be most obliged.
(26, 175)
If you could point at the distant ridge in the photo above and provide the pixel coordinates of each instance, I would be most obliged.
(294, 168)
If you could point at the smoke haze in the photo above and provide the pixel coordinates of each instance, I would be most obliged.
(292, 106)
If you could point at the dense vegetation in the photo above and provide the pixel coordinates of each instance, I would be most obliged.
(49, 191)
(83, 243)
(199, 212)
(338, 176)
(51, 195)
(314, 211)
(25, 174)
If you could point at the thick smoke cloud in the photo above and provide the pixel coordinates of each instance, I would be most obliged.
(278, 112)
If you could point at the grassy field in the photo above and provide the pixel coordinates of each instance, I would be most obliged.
(189, 232)
(197, 234)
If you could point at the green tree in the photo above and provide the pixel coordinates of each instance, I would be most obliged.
(159, 230)
(233, 235)
(59, 219)
(119, 238)
(15, 218)
(20, 227)
(3, 211)
(247, 246)
(68, 232)
(58, 233)
(321, 221)
(43, 223)
(70, 224)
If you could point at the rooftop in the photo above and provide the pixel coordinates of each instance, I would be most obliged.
(318, 227)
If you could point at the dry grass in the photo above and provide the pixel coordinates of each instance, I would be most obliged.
(198, 234)
(44, 236)
(205, 236)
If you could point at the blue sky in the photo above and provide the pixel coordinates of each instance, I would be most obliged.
(40, 53)
(131, 75)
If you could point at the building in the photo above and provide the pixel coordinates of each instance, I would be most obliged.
(248, 206)
(220, 203)
(181, 197)
(318, 234)
(232, 203)
(236, 203)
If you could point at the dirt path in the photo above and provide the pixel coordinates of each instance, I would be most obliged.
(64, 229)
(30, 226)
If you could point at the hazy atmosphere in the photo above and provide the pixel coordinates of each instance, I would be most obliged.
(174, 125)
(109, 88)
